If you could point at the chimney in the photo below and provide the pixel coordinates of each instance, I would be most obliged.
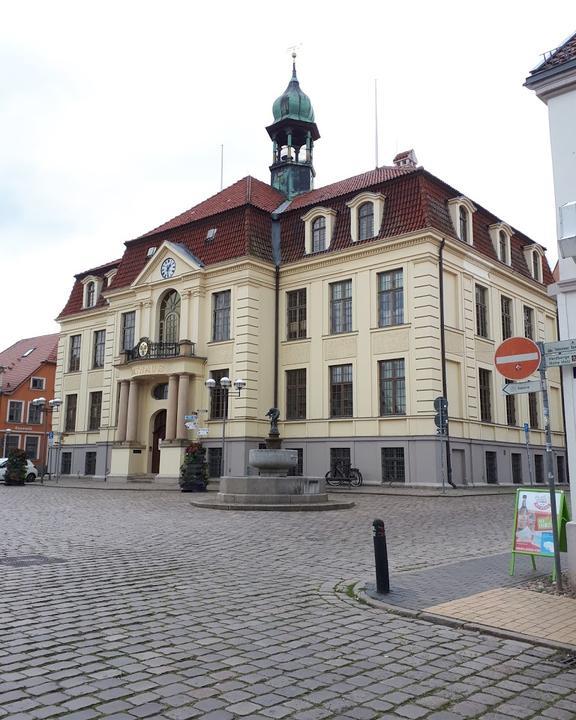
(408, 157)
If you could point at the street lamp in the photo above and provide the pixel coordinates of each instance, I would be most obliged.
(46, 407)
(225, 386)
(7, 432)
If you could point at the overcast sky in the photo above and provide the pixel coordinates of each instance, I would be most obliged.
(112, 115)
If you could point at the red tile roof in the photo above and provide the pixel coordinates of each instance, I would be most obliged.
(75, 300)
(19, 364)
(248, 191)
(559, 56)
(241, 215)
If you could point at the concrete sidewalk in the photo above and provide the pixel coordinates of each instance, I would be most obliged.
(479, 594)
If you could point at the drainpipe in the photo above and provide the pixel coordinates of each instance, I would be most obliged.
(277, 259)
(443, 360)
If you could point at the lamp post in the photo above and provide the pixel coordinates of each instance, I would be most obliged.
(46, 406)
(7, 432)
(224, 385)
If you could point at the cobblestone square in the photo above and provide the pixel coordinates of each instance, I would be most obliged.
(136, 605)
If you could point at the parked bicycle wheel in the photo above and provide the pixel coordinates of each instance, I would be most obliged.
(355, 477)
(331, 478)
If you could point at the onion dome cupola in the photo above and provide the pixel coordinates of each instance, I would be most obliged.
(293, 133)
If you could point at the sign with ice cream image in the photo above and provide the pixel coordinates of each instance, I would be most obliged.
(533, 522)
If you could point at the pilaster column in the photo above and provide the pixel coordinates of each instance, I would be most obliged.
(132, 419)
(172, 407)
(183, 387)
(122, 411)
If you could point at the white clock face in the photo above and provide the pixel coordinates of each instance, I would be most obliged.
(168, 268)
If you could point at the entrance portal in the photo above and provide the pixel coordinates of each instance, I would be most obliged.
(159, 433)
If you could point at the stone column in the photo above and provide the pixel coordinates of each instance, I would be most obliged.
(183, 386)
(122, 411)
(132, 419)
(172, 407)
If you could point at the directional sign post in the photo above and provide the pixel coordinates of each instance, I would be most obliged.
(519, 388)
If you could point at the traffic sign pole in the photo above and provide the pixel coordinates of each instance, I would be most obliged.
(550, 470)
(527, 437)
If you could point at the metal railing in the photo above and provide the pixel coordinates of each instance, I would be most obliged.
(155, 351)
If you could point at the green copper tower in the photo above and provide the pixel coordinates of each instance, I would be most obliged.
(293, 133)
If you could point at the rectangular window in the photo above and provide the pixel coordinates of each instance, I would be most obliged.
(481, 311)
(299, 469)
(218, 397)
(221, 316)
(390, 298)
(128, 331)
(95, 410)
(74, 358)
(15, 411)
(539, 469)
(214, 462)
(341, 391)
(11, 442)
(392, 387)
(393, 468)
(37, 383)
(296, 314)
(528, 322)
(491, 468)
(533, 410)
(338, 455)
(31, 447)
(70, 413)
(341, 307)
(66, 463)
(90, 463)
(296, 394)
(561, 469)
(34, 414)
(510, 408)
(516, 468)
(99, 346)
(506, 306)
(485, 387)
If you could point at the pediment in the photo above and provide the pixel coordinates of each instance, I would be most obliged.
(172, 259)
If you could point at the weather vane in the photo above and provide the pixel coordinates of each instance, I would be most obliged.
(293, 48)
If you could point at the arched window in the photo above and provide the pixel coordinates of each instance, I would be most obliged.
(319, 234)
(366, 221)
(90, 293)
(170, 318)
(463, 215)
(503, 246)
(536, 266)
(160, 392)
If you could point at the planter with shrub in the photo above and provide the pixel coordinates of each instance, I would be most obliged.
(16, 465)
(193, 471)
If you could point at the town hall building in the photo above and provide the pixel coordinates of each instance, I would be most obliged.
(350, 308)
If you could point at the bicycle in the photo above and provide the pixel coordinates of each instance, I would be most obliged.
(341, 473)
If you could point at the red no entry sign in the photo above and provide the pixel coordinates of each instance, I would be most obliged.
(517, 358)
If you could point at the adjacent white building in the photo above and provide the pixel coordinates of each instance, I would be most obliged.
(554, 81)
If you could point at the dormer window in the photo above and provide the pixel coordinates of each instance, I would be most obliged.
(366, 213)
(501, 235)
(90, 294)
(461, 212)
(463, 224)
(319, 234)
(318, 229)
(534, 256)
(366, 221)
(92, 288)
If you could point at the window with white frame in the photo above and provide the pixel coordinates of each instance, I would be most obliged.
(461, 213)
(221, 316)
(341, 307)
(15, 411)
(37, 383)
(501, 236)
(318, 229)
(534, 256)
(92, 286)
(31, 447)
(390, 298)
(366, 215)
(34, 414)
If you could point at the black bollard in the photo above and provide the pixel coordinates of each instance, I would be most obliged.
(381, 557)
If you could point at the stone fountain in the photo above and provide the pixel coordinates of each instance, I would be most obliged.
(272, 488)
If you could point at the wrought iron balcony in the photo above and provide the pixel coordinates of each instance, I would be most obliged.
(148, 350)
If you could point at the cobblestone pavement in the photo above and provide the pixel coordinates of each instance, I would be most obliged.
(136, 605)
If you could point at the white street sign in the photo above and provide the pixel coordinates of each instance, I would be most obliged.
(190, 425)
(190, 417)
(202, 432)
(519, 388)
(559, 359)
(561, 346)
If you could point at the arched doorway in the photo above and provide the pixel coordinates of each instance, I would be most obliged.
(158, 433)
